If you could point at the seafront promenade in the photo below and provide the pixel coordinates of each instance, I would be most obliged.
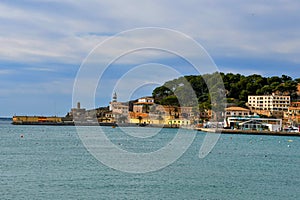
(248, 132)
(208, 130)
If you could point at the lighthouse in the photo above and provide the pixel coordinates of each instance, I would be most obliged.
(114, 101)
(115, 97)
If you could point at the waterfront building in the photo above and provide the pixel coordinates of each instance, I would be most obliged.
(140, 118)
(119, 111)
(114, 104)
(36, 120)
(269, 105)
(292, 115)
(104, 117)
(143, 105)
(236, 111)
(253, 123)
(78, 114)
(204, 115)
(179, 122)
(149, 113)
(119, 107)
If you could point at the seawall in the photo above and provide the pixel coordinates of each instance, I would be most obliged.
(249, 132)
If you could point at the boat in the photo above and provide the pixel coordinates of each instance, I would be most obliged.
(291, 129)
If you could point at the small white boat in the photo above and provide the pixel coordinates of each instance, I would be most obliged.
(291, 129)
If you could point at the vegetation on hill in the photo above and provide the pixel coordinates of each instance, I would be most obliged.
(237, 88)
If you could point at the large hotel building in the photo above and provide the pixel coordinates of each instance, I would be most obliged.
(270, 105)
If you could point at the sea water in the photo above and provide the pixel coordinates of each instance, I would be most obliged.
(51, 162)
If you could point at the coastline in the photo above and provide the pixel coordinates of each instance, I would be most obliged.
(249, 132)
(72, 123)
(207, 130)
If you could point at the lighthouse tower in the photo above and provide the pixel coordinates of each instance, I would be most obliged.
(114, 101)
(115, 97)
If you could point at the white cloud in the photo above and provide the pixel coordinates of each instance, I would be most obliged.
(225, 28)
(6, 71)
(243, 71)
(41, 69)
(52, 87)
(64, 32)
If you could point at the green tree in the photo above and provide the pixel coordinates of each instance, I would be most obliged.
(285, 78)
(170, 100)
(237, 88)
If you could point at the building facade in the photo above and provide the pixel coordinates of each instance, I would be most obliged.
(269, 105)
(118, 111)
(235, 111)
(143, 105)
(36, 119)
(292, 115)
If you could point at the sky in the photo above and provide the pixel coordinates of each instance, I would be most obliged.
(44, 44)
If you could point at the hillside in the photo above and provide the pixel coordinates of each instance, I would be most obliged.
(237, 88)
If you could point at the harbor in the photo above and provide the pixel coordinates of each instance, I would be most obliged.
(145, 113)
(248, 132)
(276, 113)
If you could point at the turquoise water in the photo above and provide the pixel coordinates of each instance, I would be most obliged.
(52, 163)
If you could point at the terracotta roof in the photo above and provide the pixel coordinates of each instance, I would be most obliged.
(294, 108)
(236, 108)
(136, 114)
(295, 104)
(143, 103)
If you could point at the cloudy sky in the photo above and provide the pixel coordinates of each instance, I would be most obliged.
(44, 43)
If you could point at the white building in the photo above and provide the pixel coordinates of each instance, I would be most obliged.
(143, 105)
(253, 123)
(119, 109)
(236, 111)
(269, 105)
(146, 100)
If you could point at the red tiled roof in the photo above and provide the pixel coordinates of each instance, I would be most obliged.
(236, 108)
